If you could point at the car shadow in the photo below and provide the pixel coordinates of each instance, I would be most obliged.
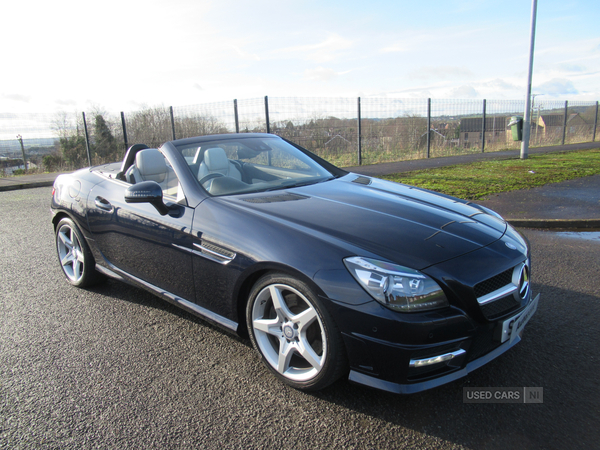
(558, 352)
(122, 291)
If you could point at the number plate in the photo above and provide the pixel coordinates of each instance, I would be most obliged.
(512, 327)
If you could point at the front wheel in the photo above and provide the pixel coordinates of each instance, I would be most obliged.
(294, 334)
(74, 255)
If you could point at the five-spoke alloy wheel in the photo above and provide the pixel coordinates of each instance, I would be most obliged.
(294, 335)
(74, 255)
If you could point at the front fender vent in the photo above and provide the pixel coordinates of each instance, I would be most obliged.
(213, 252)
(362, 180)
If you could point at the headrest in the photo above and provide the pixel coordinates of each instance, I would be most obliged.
(216, 159)
(150, 162)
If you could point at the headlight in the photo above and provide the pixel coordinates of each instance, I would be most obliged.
(399, 288)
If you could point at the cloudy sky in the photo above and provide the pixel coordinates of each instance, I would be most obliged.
(121, 54)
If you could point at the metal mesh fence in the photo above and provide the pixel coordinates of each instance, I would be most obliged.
(251, 114)
(326, 126)
(392, 129)
(200, 120)
(498, 115)
(389, 129)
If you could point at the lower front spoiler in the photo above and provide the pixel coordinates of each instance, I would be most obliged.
(396, 388)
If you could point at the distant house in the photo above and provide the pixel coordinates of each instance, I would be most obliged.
(436, 139)
(470, 131)
(551, 125)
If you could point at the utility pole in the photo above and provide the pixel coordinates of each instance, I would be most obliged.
(20, 138)
(527, 121)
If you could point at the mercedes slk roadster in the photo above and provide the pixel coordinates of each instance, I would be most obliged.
(328, 273)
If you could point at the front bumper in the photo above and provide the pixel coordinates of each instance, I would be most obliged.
(415, 363)
(411, 388)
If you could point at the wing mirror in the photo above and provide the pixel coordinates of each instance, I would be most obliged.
(147, 192)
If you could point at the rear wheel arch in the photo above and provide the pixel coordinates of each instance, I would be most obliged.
(58, 217)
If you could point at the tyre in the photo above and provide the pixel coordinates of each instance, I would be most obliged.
(74, 255)
(294, 334)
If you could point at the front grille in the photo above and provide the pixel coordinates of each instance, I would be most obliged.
(494, 283)
(500, 307)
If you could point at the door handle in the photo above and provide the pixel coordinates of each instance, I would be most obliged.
(103, 204)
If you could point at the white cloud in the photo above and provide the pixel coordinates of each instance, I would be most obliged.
(557, 87)
(324, 51)
(322, 74)
(571, 67)
(464, 92)
(66, 102)
(394, 48)
(244, 55)
(440, 73)
(185, 52)
(500, 85)
(16, 97)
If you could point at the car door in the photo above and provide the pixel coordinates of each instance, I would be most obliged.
(136, 239)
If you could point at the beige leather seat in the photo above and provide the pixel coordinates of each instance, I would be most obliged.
(216, 161)
(150, 165)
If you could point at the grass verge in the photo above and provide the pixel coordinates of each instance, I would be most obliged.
(481, 179)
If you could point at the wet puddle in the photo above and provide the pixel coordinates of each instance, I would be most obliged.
(581, 235)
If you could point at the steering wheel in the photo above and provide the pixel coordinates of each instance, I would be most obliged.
(210, 176)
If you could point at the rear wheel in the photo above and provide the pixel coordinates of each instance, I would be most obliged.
(294, 334)
(74, 255)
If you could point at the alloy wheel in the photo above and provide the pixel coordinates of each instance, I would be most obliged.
(289, 332)
(70, 253)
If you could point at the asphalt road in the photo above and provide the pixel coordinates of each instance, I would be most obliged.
(115, 367)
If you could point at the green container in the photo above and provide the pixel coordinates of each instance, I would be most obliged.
(516, 126)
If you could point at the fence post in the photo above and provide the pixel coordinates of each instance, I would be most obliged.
(359, 135)
(172, 122)
(428, 127)
(267, 114)
(483, 128)
(124, 129)
(235, 113)
(595, 124)
(565, 122)
(87, 140)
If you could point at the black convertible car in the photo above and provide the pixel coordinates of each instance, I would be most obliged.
(329, 273)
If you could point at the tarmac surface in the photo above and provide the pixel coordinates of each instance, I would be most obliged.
(115, 367)
(573, 204)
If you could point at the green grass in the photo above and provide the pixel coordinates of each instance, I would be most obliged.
(477, 180)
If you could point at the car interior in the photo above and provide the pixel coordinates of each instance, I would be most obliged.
(236, 168)
(151, 165)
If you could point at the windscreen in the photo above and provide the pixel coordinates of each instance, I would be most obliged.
(245, 165)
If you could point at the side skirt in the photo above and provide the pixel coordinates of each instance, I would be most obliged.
(182, 303)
